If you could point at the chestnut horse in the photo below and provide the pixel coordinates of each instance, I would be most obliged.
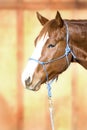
(59, 43)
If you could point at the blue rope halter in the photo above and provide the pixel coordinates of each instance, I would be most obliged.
(67, 52)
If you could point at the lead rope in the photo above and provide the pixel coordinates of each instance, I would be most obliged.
(50, 107)
(49, 97)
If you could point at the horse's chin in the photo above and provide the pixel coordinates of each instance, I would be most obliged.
(34, 87)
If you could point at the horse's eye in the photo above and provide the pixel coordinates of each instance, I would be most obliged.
(51, 45)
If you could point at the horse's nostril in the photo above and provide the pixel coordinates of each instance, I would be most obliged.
(27, 82)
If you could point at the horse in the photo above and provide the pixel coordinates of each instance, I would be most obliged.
(59, 43)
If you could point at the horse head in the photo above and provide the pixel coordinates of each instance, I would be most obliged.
(49, 45)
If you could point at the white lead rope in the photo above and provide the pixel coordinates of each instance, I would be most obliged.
(51, 112)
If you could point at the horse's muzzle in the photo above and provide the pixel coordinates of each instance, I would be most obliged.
(32, 86)
(28, 82)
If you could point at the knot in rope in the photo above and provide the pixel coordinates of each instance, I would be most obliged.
(49, 90)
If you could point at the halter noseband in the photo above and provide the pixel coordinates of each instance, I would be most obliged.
(67, 52)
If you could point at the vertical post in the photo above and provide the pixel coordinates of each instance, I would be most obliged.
(19, 69)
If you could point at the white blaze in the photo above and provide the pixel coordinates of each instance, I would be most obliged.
(31, 66)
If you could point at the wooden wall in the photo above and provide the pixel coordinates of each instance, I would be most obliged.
(23, 109)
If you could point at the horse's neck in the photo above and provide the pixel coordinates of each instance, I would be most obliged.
(78, 40)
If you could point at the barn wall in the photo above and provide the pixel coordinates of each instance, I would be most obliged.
(21, 109)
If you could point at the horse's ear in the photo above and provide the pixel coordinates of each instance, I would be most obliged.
(42, 19)
(59, 19)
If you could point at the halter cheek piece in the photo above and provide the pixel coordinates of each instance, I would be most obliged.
(67, 52)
